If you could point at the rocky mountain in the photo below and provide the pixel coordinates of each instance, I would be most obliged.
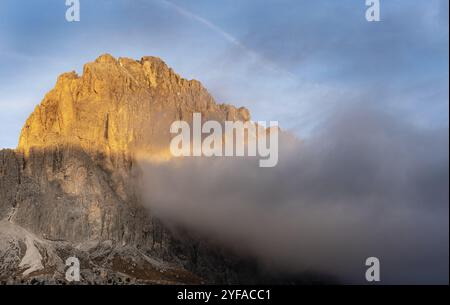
(70, 187)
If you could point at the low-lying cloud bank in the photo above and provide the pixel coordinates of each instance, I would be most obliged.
(363, 185)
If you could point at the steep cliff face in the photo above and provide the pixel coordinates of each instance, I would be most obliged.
(120, 106)
(82, 140)
(72, 179)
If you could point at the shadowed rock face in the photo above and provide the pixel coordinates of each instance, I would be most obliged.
(73, 177)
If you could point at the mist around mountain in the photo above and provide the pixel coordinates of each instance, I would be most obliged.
(93, 177)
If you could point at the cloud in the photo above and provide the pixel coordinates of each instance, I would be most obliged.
(365, 184)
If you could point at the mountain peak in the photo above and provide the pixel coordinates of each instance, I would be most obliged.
(106, 58)
(120, 105)
(75, 177)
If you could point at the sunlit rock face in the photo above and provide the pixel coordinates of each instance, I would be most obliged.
(120, 105)
(82, 140)
(74, 176)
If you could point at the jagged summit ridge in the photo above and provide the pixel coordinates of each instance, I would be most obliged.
(120, 105)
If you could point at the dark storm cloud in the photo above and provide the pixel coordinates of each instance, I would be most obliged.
(366, 184)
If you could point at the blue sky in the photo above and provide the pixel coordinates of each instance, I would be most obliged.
(293, 61)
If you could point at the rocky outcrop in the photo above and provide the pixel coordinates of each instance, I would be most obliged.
(73, 178)
(28, 259)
